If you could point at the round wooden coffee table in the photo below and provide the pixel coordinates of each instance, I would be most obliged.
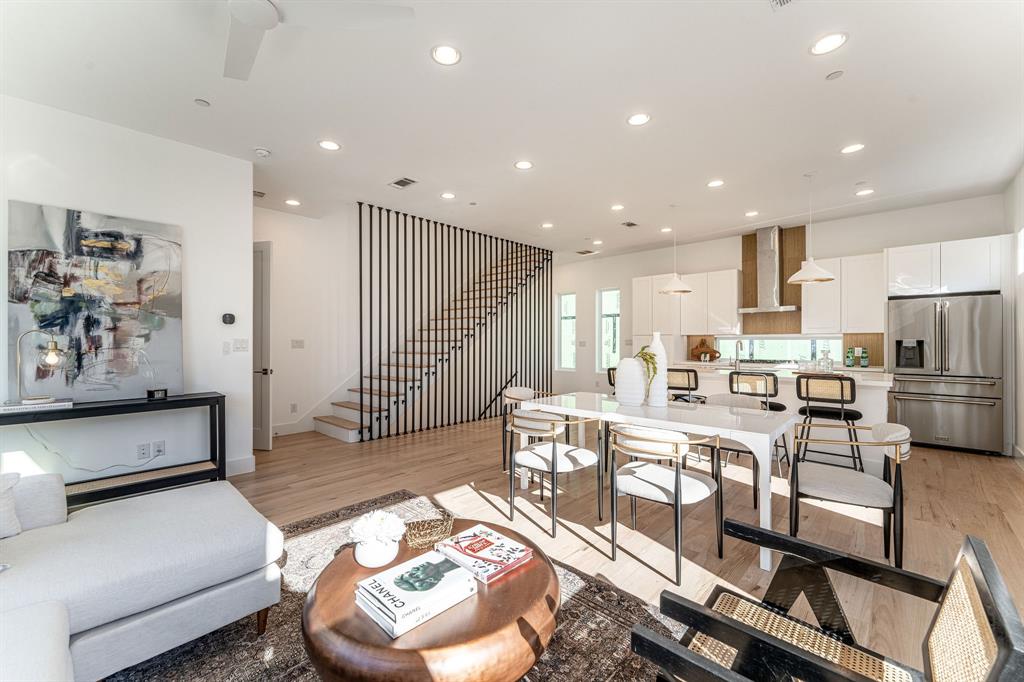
(497, 634)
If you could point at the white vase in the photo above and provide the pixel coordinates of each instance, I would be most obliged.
(630, 382)
(376, 553)
(658, 395)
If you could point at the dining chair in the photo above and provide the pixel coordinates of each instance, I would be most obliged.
(684, 379)
(976, 634)
(547, 456)
(510, 397)
(763, 385)
(818, 481)
(645, 478)
(828, 396)
(731, 447)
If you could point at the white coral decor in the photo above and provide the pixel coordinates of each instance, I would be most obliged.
(379, 526)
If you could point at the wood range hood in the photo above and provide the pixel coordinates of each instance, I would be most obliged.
(761, 313)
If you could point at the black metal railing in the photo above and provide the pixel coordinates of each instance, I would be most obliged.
(447, 318)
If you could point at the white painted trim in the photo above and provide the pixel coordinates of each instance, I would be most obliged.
(321, 408)
(240, 465)
(1018, 451)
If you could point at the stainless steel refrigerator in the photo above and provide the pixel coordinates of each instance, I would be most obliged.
(946, 353)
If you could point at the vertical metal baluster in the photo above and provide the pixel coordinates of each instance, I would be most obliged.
(437, 323)
(380, 317)
(404, 384)
(369, 308)
(360, 207)
(389, 302)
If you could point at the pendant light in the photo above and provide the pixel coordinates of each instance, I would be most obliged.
(676, 285)
(810, 272)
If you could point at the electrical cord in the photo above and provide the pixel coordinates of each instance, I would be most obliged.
(57, 453)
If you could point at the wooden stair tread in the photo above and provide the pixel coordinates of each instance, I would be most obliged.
(373, 391)
(377, 377)
(339, 422)
(405, 365)
(349, 405)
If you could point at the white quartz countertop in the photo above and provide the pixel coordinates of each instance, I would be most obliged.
(864, 376)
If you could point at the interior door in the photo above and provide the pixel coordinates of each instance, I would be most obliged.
(262, 428)
(973, 336)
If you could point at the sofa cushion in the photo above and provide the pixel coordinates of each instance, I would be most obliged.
(40, 501)
(9, 524)
(123, 557)
(34, 644)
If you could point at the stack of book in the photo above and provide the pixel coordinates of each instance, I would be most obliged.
(485, 553)
(414, 591)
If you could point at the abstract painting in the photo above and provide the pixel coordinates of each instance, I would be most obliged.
(108, 288)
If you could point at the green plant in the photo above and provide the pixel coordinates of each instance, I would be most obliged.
(650, 364)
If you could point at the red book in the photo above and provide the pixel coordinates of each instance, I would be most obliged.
(485, 553)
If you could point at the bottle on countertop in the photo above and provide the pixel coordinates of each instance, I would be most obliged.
(849, 357)
(864, 357)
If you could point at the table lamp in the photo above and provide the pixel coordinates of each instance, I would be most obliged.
(49, 358)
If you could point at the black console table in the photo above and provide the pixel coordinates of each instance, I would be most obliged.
(119, 485)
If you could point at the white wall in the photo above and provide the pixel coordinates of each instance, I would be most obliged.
(58, 158)
(1014, 206)
(314, 298)
(977, 217)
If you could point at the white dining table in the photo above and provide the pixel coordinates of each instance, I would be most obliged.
(757, 429)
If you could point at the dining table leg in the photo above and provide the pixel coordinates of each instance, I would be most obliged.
(762, 450)
(524, 474)
(581, 435)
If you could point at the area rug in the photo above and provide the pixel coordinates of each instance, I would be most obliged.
(591, 640)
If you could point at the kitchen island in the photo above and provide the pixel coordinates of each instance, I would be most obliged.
(872, 400)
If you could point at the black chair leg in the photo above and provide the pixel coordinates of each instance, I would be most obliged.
(756, 468)
(600, 489)
(541, 485)
(886, 530)
(719, 511)
(615, 509)
(504, 441)
(794, 498)
(632, 512)
(854, 449)
(512, 487)
(554, 504)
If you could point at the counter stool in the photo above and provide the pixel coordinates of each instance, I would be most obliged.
(643, 477)
(833, 390)
(684, 380)
(819, 481)
(549, 457)
(762, 385)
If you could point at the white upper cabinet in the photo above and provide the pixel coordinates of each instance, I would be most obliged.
(723, 302)
(914, 270)
(970, 265)
(642, 311)
(693, 307)
(821, 303)
(863, 294)
(664, 307)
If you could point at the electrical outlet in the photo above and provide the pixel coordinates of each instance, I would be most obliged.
(142, 451)
(295, 408)
(583, 344)
(298, 343)
(159, 448)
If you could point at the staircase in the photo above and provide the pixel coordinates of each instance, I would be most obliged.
(419, 369)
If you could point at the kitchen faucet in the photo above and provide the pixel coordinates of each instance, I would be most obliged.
(739, 347)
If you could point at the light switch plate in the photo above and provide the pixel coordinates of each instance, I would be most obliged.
(298, 343)
(583, 344)
(227, 348)
(240, 345)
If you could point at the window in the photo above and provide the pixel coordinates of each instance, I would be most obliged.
(608, 328)
(780, 349)
(567, 331)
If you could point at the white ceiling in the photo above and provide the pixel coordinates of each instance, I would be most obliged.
(934, 89)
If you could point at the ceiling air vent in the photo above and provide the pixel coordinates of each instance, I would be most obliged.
(585, 252)
(629, 223)
(258, 194)
(778, 4)
(401, 183)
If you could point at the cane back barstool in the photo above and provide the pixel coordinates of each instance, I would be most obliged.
(681, 379)
(814, 480)
(548, 456)
(611, 378)
(976, 634)
(645, 477)
(836, 392)
(763, 385)
(510, 398)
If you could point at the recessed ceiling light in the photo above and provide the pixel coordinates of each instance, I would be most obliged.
(524, 165)
(750, 214)
(597, 242)
(329, 145)
(447, 195)
(864, 192)
(261, 152)
(851, 148)
(201, 102)
(666, 229)
(828, 43)
(293, 202)
(638, 119)
(446, 55)
(716, 183)
(547, 226)
(832, 75)
(617, 207)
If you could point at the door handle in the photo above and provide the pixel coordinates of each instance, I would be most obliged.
(945, 336)
(972, 382)
(264, 371)
(937, 346)
(958, 401)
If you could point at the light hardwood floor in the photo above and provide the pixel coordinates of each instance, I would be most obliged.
(948, 494)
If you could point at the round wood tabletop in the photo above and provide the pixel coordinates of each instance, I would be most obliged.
(497, 634)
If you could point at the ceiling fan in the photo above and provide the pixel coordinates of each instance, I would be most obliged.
(251, 19)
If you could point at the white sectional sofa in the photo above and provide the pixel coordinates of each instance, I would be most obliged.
(120, 582)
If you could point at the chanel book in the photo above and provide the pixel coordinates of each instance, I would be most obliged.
(404, 596)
